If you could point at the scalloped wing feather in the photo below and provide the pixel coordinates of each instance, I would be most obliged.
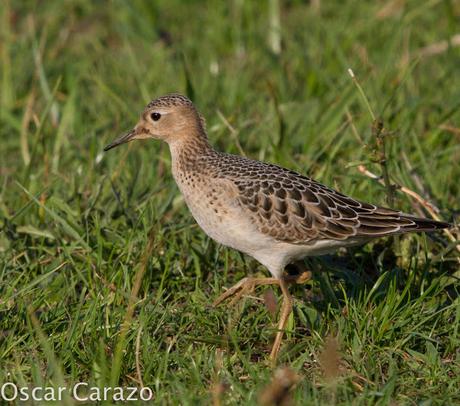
(296, 209)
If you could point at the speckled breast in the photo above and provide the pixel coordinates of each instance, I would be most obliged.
(217, 212)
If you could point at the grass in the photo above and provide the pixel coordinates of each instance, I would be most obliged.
(104, 276)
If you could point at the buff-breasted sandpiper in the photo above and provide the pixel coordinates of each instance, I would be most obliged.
(273, 214)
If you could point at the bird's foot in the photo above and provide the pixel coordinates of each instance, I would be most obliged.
(247, 285)
(244, 287)
(298, 278)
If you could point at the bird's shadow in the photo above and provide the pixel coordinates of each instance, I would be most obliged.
(338, 279)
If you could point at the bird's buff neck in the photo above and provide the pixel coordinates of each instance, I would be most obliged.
(187, 151)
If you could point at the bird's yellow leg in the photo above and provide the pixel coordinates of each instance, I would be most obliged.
(286, 309)
(298, 279)
(244, 287)
(247, 285)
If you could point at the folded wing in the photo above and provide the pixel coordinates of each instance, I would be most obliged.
(296, 209)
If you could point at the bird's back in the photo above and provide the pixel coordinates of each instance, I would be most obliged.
(293, 208)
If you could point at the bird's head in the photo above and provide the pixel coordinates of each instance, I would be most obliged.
(169, 118)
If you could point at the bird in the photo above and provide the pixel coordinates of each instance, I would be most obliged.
(273, 214)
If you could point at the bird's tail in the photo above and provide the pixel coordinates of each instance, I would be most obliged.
(423, 224)
(383, 221)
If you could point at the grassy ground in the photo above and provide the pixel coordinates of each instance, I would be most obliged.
(82, 230)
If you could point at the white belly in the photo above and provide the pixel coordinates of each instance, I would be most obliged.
(225, 224)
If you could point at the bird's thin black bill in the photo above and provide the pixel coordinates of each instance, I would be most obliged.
(120, 140)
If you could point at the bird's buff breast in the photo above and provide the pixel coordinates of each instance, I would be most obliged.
(216, 212)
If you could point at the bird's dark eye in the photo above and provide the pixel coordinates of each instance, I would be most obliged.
(155, 116)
